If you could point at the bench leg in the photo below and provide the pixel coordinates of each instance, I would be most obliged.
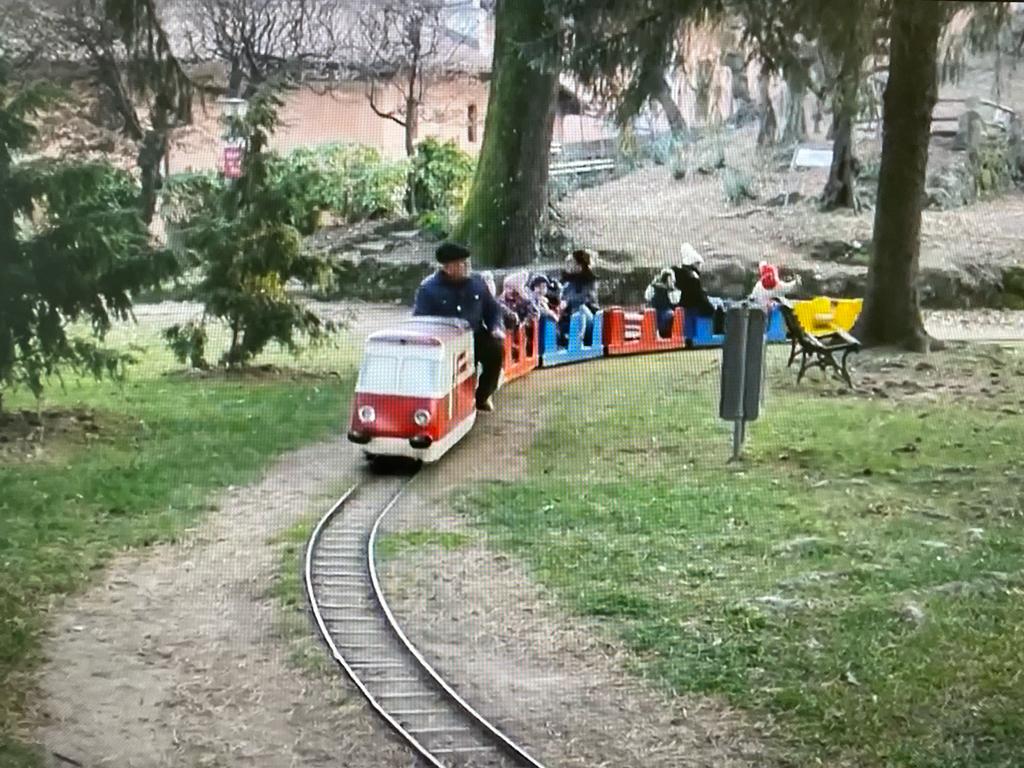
(804, 365)
(845, 371)
(792, 352)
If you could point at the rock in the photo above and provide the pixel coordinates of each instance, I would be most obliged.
(373, 246)
(811, 577)
(405, 234)
(785, 198)
(802, 545)
(970, 132)
(780, 603)
(912, 613)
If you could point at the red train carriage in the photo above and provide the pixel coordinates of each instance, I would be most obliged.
(628, 333)
(522, 352)
(415, 395)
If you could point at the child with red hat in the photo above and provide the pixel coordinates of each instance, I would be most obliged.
(770, 285)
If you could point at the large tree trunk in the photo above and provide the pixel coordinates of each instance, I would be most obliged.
(151, 154)
(414, 89)
(412, 125)
(509, 192)
(795, 126)
(109, 73)
(892, 312)
(769, 121)
(663, 95)
(841, 188)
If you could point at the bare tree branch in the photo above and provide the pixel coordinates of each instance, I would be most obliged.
(371, 93)
(398, 44)
(259, 39)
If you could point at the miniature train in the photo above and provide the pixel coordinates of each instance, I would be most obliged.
(415, 395)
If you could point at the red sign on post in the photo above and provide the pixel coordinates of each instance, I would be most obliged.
(233, 162)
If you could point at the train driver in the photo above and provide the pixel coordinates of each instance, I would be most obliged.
(453, 291)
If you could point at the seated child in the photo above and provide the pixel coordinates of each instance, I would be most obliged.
(663, 297)
(516, 302)
(770, 285)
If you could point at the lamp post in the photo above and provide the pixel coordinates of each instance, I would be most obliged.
(232, 110)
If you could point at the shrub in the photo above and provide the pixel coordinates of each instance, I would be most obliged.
(441, 176)
(350, 181)
(738, 185)
(246, 247)
(186, 194)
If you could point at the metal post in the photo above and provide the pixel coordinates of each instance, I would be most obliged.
(743, 356)
(738, 425)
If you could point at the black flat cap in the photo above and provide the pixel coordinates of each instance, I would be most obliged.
(449, 252)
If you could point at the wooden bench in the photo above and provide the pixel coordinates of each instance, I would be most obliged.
(577, 167)
(817, 351)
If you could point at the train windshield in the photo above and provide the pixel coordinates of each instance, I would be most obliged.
(406, 376)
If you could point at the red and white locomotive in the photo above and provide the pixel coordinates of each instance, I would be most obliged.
(415, 395)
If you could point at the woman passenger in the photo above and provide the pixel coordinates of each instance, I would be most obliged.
(579, 291)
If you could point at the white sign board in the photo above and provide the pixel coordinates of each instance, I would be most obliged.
(808, 157)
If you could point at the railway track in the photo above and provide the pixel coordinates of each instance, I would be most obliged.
(357, 625)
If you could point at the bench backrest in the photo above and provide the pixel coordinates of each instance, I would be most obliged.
(793, 325)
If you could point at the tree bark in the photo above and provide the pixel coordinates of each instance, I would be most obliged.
(841, 187)
(109, 73)
(509, 192)
(795, 127)
(892, 311)
(412, 124)
(769, 121)
(151, 154)
(663, 95)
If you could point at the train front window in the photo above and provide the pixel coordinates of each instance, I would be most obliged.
(391, 375)
(379, 374)
(419, 377)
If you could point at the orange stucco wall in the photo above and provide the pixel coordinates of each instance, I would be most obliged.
(315, 115)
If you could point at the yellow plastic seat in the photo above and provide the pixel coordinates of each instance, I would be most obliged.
(846, 312)
(816, 315)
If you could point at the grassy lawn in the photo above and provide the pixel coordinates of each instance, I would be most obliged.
(142, 465)
(857, 581)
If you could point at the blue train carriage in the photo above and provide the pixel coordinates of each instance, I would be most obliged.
(552, 354)
(699, 331)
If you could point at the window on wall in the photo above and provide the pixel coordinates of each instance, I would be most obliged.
(471, 132)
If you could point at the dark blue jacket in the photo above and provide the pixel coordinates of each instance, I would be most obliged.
(579, 289)
(470, 299)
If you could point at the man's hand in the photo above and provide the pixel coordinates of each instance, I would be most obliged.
(499, 334)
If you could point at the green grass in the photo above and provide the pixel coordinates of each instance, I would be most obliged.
(305, 651)
(392, 545)
(166, 443)
(792, 584)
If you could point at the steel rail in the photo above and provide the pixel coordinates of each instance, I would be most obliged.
(414, 658)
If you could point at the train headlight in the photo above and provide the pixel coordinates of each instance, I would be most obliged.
(422, 418)
(367, 414)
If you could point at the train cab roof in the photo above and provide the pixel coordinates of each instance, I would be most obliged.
(424, 332)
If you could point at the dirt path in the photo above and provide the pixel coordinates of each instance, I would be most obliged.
(505, 645)
(177, 658)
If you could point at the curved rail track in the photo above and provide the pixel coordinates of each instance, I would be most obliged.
(354, 619)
